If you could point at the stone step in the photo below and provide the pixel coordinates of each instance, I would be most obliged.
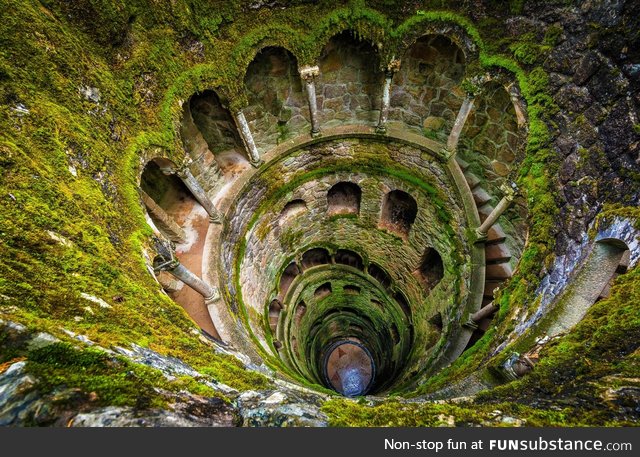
(499, 271)
(495, 235)
(497, 253)
(484, 210)
(463, 165)
(481, 197)
(624, 262)
(472, 180)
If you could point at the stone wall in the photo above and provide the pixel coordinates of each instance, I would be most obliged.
(271, 244)
(278, 108)
(425, 92)
(349, 87)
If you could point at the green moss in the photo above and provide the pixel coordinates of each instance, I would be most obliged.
(112, 379)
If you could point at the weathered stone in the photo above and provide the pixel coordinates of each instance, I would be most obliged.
(433, 123)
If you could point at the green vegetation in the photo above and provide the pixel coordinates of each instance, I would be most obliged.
(70, 158)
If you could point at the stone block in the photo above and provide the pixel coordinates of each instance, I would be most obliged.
(433, 123)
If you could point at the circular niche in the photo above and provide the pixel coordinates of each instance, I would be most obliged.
(352, 240)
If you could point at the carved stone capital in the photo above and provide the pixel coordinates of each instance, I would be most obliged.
(393, 66)
(510, 191)
(309, 72)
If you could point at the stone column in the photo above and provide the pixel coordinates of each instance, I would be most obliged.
(392, 68)
(507, 199)
(463, 114)
(308, 74)
(198, 192)
(247, 138)
(164, 221)
(176, 269)
(483, 313)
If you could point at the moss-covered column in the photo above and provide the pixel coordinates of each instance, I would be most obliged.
(308, 74)
(392, 68)
(461, 119)
(198, 192)
(247, 138)
(165, 222)
(507, 199)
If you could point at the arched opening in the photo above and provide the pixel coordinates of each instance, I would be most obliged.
(431, 269)
(350, 82)
(177, 215)
(275, 308)
(315, 257)
(351, 289)
(301, 310)
(350, 258)
(277, 107)
(404, 304)
(291, 210)
(165, 196)
(288, 275)
(436, 321)
(323, 291)
(399, 211)
(606, 258)
(379, 275)
(344, 198)
(425, 95)
(219, 130)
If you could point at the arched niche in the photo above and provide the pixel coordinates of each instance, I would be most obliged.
(301, 310)
(426, 93)
(288, 275)
(167, 200)
(277, 108)
(349, 86)
(491, 136)
(216, 125)
(344, 198)
(315, 257)
(399, 211)
(431, 270)
(379, 275)
(350, 258)
(275, 308)
(323, 290)
(292, 209)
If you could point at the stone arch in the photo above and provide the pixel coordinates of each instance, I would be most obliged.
(426, 93)
(350, 258)
(216, 125)
(349, 86)
(275, 308)
(175, 212)
(301, 310)
(164, 195)
(292, 209)
(315, 257)
(587, 287)
(344, 198)
(431, 270)
(287, 277)
(323, 290)
(379, 275)
(491, 136)
(399, 211)
(276, 108)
